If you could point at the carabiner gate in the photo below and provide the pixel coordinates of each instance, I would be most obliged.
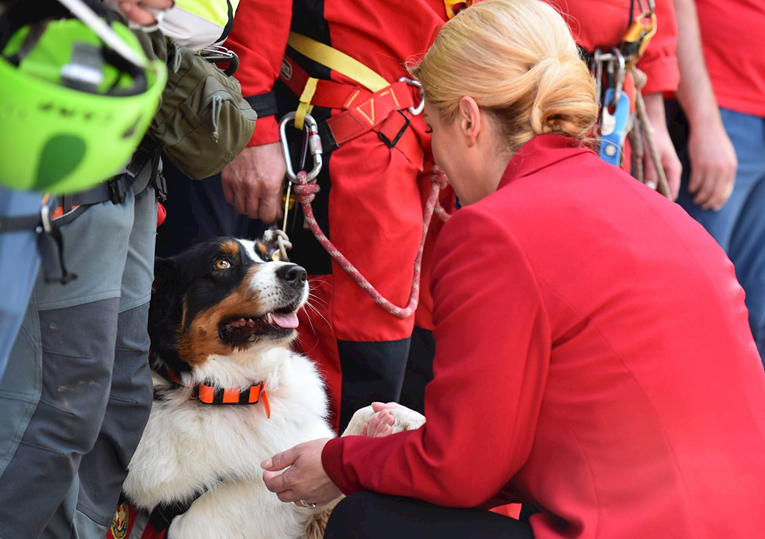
(314, 144)
(415, 111)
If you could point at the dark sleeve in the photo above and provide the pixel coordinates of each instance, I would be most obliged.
(492, 354)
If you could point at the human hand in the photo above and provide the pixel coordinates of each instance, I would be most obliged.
(380, 424)
(305, 478)
(713, 165)
(253, 182)
(136, 11)
(670, 163)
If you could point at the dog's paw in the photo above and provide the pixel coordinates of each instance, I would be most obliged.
(405, 419)
(359, 421)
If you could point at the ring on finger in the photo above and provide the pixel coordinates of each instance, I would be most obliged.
(306, 504)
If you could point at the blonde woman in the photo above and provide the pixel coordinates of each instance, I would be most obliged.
(593, 356)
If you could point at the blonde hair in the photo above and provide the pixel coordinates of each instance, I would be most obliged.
(517, 59)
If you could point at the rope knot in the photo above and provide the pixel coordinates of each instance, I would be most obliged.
(305, 191)
(438, 177)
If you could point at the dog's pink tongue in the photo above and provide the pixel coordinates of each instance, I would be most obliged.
(285, 320)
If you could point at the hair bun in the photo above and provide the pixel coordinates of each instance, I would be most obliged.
(565, 98)
(517, 59)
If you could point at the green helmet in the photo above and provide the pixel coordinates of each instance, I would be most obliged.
(72, 110)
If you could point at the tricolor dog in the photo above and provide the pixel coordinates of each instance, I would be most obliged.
(228, 394)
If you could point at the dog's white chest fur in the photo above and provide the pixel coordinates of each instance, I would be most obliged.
(188, 447)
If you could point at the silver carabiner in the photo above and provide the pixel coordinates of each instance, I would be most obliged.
(314, 144)
(415, 111)
(620, 74)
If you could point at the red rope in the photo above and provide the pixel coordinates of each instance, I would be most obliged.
(305, 192)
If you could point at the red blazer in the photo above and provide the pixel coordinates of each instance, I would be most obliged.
(593, 356)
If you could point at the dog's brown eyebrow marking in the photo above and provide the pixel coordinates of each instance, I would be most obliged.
(230, 248)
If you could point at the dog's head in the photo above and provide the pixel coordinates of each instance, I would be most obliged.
(219, 297)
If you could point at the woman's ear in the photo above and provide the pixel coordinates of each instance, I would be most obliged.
(165, 306)
(470, 119)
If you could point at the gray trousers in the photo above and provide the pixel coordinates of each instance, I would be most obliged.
(76, 394)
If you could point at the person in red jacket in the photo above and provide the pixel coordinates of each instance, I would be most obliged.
(593, 355)
(370, 204)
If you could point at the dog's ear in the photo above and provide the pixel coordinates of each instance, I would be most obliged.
(164, 274)
(269, 243)
(164, 299)
(266, 244)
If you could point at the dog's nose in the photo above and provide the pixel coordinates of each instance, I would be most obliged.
(293, 274)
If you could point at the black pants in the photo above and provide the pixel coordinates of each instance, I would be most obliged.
(368, 515)
(419, 369)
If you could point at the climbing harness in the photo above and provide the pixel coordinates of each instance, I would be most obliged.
(369, 103)
(305, 188)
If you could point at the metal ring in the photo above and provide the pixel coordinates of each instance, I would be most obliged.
(306, 504)
(415, 111)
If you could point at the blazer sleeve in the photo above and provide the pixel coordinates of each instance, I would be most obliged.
(492, 355)
(659, 62)
(259, 37)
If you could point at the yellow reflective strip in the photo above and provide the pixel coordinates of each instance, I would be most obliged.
(215, 11)
(337, 61)
(305, 102)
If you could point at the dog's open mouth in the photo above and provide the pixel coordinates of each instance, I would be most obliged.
(277, 324)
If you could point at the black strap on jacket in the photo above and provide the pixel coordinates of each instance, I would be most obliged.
(117, 188)
(263, 104)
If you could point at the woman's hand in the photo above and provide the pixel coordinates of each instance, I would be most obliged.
(304, 479)
(381, 424)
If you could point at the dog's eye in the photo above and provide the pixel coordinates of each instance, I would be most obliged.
(222, 264)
